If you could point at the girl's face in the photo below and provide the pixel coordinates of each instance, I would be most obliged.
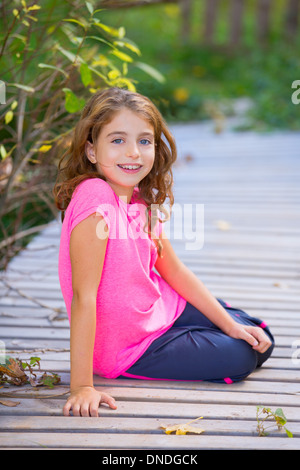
(124, 152)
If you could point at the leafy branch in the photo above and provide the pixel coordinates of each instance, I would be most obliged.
(53, 57)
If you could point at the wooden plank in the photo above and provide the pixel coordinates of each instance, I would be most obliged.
(134, 425)
(157, 409)
(154, 394)
(149, 442)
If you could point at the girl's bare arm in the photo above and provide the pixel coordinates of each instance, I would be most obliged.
(87, 253)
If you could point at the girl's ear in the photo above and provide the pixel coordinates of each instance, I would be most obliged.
(90, 153)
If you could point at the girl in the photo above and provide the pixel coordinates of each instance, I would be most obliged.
(126, 319)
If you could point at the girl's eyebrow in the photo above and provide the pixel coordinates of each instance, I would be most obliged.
(125, 133)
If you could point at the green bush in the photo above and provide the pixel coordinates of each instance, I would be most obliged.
(53, 56)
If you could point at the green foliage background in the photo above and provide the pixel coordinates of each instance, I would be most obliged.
(53, 56)
(198, 74)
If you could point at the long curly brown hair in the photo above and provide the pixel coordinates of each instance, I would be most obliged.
(74, 166)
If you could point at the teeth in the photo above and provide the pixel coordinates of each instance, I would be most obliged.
(130, 167)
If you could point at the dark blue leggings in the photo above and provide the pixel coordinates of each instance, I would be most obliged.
(195, 349)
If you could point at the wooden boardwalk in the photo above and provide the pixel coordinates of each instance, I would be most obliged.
(249, 186)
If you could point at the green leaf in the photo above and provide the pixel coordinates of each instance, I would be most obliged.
(151, 71)
(101, 40)
(89, 7)
(50, 380)
(72, 57)
(34, 360)
(48, 66)
(289, 433)
(85, 74)
(280, 417)
(22, 87)
(72, 102)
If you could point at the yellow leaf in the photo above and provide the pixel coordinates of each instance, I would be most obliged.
(123, 82)
(31, 17)
(181, 95)
(181, 429)
(3, 152)
(112, 31)
(129, 45)
(14, 104)
(113, 74)
(101, 60)
(34, 7)
(122, 55)
(8, 117)
(45, 148)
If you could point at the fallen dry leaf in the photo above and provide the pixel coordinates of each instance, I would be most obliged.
(183, 428)
(9, 403)
(223, 225)
(13, 369)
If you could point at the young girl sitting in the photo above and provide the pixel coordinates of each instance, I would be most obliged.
(128, 320)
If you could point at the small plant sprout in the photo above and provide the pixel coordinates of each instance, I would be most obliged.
(264, 414)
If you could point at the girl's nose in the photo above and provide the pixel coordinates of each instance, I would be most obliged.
(132, 151)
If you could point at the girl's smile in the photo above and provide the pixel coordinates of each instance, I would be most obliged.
(124, 152)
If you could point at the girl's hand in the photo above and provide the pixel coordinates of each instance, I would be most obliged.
(254, 335)
(85, 401)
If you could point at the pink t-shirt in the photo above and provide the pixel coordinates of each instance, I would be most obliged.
(134, 304)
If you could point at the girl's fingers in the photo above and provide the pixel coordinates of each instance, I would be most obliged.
(108, 400)
(250, 339)
(261, 341)
(256, 337)
(87, 407)
(66, 409)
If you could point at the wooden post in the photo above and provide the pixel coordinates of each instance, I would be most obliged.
(263, 19)
(210, 20)
(186, 10)
(292, 17)
(235, 21)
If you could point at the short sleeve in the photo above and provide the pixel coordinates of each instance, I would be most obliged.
(90, 196)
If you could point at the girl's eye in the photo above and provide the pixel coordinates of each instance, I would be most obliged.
(117, 141)
(145, 142)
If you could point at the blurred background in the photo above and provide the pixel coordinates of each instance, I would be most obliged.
(198, 60)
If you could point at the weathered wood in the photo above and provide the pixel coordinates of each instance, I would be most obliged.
(135, 425)
(147, 441)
